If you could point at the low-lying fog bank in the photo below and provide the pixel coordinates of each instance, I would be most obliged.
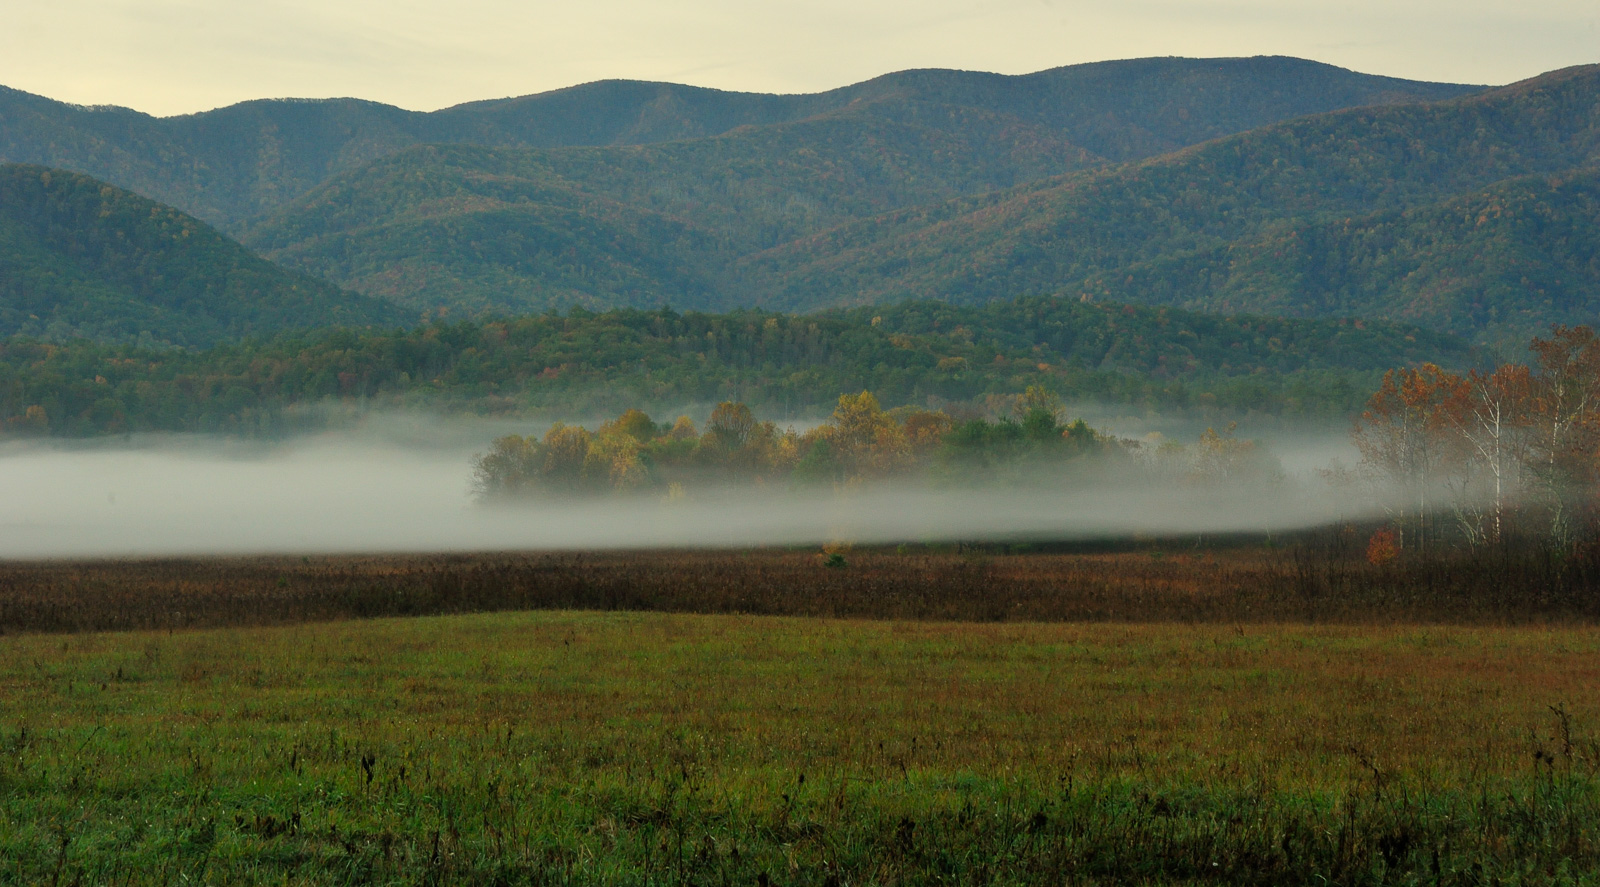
(411, 491)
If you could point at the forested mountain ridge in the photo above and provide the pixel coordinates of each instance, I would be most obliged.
(849, 209)
(82, 259)
(1072, 234)
(1519, 255)
(234, 164)
(1202, 184)
(529, 229)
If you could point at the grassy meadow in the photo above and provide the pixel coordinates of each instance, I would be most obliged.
(561, 746)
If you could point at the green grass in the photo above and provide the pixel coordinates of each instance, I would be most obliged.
(661, 748)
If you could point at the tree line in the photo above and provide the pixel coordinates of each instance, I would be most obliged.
(859, 443)
(1489, 455)
(925, 353)
(1478, 458)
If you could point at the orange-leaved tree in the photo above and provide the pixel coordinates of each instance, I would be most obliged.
(729, 427)
(1405, 434)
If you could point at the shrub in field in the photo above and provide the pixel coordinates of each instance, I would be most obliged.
(1383, 547)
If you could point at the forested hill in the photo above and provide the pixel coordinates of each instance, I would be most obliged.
(514, 230)
(1511, 258)
(584, 364)
(234, 164)
(1359, 212)
(1417, 212)
(79, 258)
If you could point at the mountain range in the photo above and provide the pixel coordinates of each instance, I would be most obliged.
(234, 164)
(1470, 215)
(1264, 185)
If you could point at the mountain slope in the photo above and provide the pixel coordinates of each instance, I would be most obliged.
(518, 230)
(79, 258)
(1057, 236)
(238, 163)
(1496, 264)
(851, 207)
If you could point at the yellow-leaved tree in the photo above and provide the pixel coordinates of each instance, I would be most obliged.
(866, 442)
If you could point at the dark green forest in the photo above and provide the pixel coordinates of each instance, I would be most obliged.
(583, 363)
(478, 229)
(80, 259)
(1519, 255)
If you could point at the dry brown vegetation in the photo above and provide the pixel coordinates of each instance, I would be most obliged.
(1324, 577)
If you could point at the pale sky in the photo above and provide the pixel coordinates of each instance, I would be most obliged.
(176, 56)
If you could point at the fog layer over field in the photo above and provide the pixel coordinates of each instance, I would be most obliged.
(384, 491)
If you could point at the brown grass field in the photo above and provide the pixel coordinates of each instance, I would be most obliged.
(1316, 579)
(1177, 715)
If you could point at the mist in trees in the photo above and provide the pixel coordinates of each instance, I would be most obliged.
(1476, 459)
(1489, 455)
(861, 444)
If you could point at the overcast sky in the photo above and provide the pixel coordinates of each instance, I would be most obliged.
(177, 56)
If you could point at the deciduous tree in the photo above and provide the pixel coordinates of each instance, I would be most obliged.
(1566, 422)
(1404, 435)
(1492, 416)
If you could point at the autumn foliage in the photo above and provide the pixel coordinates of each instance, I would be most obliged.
(1383, 547)
(860, 442)
(1482, 455)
